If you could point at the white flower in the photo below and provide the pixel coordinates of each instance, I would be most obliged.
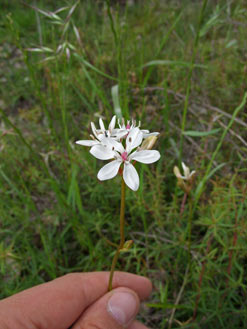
(124, 130)
(187, 174)
(105, 145)
(115, 150)
(100, 135)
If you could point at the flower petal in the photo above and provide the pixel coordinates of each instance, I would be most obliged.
(145, 156)
(116, 146)
(94, 130)
(134, 139)
(186, 170)
(177, 172)
(112, 124)
(130, 176)
(101, 124)
(87, 142)
(101, 137)
(120, 133)
(111, 144)
(102, 152)
(110, 170)
(192, 173)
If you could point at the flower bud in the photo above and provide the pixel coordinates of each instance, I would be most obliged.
(148, 143)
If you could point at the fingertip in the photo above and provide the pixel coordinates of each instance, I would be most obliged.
(123, 305)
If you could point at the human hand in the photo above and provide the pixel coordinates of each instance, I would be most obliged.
(78, 301)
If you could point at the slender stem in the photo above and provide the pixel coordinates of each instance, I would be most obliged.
(183, 204)
(122, 210)
(112, 23)
(113, 265)
(122, 239)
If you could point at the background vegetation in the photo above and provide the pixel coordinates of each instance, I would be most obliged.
(180, 68)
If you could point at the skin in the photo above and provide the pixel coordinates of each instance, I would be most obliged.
(77, 300)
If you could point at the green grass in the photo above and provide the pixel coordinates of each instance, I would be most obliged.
(176, 75)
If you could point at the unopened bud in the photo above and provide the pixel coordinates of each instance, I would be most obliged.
(177, 172)
(127, 245)
(148, 143)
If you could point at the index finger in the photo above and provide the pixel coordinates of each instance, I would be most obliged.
(58, 303)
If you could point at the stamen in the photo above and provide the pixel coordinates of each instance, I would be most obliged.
(93, 137)
(130, 139)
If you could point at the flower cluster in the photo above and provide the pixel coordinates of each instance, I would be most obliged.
(121, 145)
(187, 174)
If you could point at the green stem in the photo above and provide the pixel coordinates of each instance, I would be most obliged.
(122, 239)
(113, 265)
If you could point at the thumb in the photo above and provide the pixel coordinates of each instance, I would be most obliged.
(115, 310)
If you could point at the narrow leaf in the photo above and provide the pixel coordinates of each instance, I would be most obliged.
(194, 133)
(172, 63)
(115, 99)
